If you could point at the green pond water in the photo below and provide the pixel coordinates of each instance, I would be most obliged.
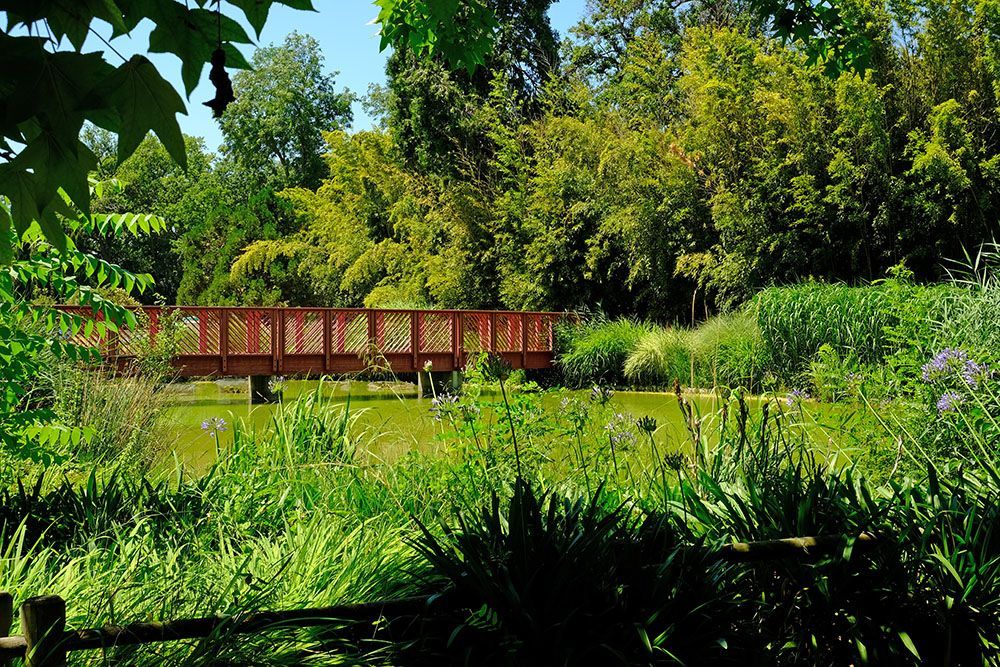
(392, 419)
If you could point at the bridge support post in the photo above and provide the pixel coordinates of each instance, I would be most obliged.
(431, 383)
(260, 392)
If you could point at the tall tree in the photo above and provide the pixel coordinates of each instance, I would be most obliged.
(274, 129)
(433, 112)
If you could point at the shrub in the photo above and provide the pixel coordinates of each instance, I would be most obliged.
(556, 581)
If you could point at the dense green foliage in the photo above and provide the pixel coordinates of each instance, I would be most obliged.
(34, 335)
(300, 514)
(51, 90)
(662, 164)
(667, 161)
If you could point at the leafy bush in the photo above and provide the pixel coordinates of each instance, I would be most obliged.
(554, 581)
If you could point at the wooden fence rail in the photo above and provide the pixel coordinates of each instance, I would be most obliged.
(44, 641)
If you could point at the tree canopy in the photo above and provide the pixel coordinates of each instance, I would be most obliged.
(274, 129)
(51, 88)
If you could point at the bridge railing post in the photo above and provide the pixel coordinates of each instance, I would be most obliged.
(456, 338)
(224, 339)
(277, 339)
(415, 338)
(327, 341)
(524, 340)
(370, 321)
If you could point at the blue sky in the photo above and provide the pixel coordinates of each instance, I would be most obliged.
(342, 28)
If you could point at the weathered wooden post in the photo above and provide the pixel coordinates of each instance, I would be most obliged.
(43, 624)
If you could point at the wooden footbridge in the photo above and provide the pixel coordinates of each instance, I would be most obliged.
(317, 341)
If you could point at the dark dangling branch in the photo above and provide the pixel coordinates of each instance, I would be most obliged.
(218, 76)
(223, 86)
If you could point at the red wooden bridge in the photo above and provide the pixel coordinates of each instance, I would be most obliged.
(316, 341)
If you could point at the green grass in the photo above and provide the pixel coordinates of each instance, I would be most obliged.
(596, 351)
(660, 357)
(786, 337)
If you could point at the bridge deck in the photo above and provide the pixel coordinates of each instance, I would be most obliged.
(287, 341)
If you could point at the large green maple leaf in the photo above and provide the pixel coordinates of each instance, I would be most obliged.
(143, 100)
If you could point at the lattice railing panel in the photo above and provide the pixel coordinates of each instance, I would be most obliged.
(540, 332)
(254, 331)
(198, 332)
(435, 332)
(130, 342)
(80, 337)
(303, 332)
(250, 332)
(392, 332)
(350, 332)
(475, 332)
(508, 332)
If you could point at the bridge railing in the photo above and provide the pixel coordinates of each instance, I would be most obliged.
(238, 341)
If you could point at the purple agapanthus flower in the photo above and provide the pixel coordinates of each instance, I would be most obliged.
(214, 425)
(943, 364)
(950, 401)
(601, 395)
(973, 374)
(796, 395)
(441, 405)
(620, 431)
(952, 362)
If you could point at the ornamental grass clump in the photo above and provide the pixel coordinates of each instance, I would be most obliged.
(597, 351)
(661, 357)
(728, 351)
